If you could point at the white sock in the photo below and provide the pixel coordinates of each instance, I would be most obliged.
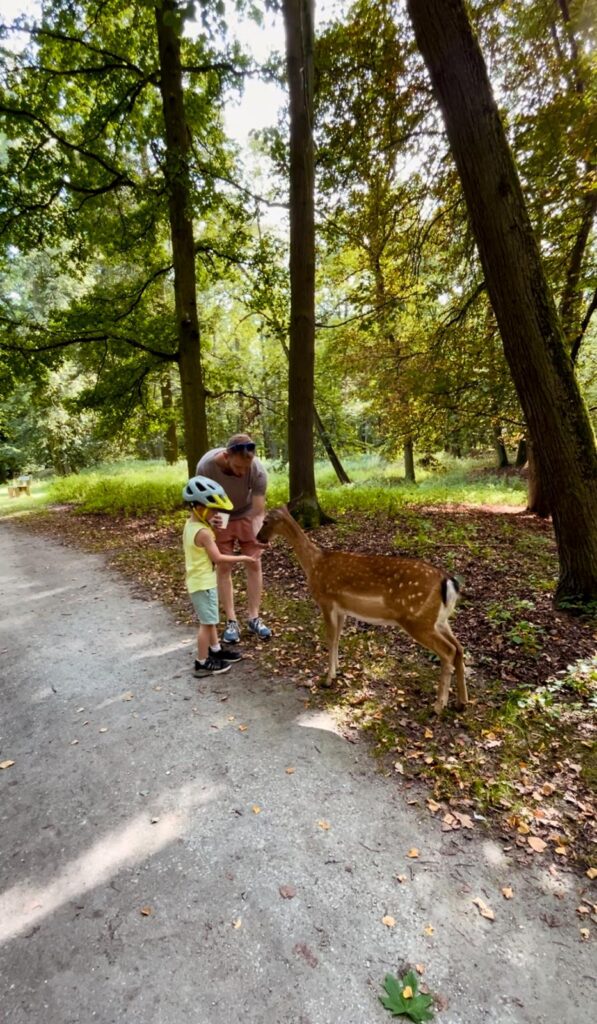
(215, 647)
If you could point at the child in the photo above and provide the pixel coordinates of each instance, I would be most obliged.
(206, 498)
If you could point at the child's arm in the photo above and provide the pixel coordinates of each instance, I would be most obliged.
(203, 539)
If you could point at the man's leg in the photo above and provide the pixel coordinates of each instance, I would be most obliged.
(225, 590)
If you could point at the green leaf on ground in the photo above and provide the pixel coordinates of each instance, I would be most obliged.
(403, 998)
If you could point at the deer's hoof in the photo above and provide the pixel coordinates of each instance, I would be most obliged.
(438, 707)
(461, 706)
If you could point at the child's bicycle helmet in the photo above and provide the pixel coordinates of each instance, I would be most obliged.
(206, 492)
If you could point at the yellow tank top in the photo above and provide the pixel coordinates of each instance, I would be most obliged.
(200, 570)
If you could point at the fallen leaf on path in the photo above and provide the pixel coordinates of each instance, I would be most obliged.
(433, 806)
(507, 892)
(536, 844)
(287, 892)
(323, 824)
(388, 920)
(399, 767)
(420, 968)
(73, 743)
(303, 950)
(256, 809)
(6, 764)
(401, 878)
(243, 728)
(237, 923)
(290, 771)
(585, 934)
(413, 852)
(590, 872)
(128, 696)
(429, 930)
(103, 729)
(484, 909)
(146, 911)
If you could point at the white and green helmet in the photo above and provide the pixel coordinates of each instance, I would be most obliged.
(203, 491)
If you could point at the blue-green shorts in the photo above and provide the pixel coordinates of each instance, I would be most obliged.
(205, 603)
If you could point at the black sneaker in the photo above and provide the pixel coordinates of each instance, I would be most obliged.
(210, 667)
(225, 655)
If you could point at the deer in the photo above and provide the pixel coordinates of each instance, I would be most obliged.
(384, 590)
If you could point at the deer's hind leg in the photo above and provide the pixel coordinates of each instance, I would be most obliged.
(446, 650)
(458, 665)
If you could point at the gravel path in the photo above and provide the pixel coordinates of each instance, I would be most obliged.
(150, 824)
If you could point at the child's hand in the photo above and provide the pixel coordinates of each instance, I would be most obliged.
(216, 520)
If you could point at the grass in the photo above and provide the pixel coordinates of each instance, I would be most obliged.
(135, 488)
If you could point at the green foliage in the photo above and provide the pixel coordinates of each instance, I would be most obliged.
(413, 1004)
(134, 487)
(132, 491)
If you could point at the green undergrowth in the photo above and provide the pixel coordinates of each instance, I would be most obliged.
(136, 488)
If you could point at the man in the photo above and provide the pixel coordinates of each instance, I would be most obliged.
(244, 479)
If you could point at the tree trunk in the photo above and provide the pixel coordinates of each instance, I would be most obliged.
(500, 449)
(521, 453)
(537, 501)
(181, 232)
(298, 23)
(170, 438)
(409, 461)
(525, 311)
(331, 454)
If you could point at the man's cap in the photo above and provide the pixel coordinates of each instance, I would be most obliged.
(238, 439)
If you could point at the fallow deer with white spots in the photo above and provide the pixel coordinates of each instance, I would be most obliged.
(381, 589)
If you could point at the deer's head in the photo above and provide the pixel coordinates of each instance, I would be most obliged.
(273, 523)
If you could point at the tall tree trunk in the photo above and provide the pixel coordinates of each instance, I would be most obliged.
(409, 461)
(298, 23)
(537, 501)
(531, 332)
(500, 448)
(521, 453)
(181, 232)
(170, 438)
(339, 470)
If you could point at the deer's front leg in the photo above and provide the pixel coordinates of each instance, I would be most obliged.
(334, 621)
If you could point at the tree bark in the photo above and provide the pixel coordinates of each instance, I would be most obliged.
(298, 23)
(537, 501)
(409, 461)
(500, 448)
(181, 232)
(170, 438)
(532, 335)
(521, 453)
(339, 470)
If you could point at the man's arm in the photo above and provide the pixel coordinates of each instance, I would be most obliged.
(257, 512)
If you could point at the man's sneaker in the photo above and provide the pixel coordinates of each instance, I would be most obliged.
(225, 655)
(210, 667)
(258, 627)
(231, 634)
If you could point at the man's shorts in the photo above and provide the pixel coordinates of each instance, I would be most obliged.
(241, 531)
(205, 603)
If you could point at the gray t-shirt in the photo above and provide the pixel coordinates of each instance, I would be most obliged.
(240, 489)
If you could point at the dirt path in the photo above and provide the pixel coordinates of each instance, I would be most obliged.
(148, 823)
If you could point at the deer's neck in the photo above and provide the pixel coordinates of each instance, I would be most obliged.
(305, 550)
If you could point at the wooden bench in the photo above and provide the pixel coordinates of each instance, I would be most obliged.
(22, 485)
